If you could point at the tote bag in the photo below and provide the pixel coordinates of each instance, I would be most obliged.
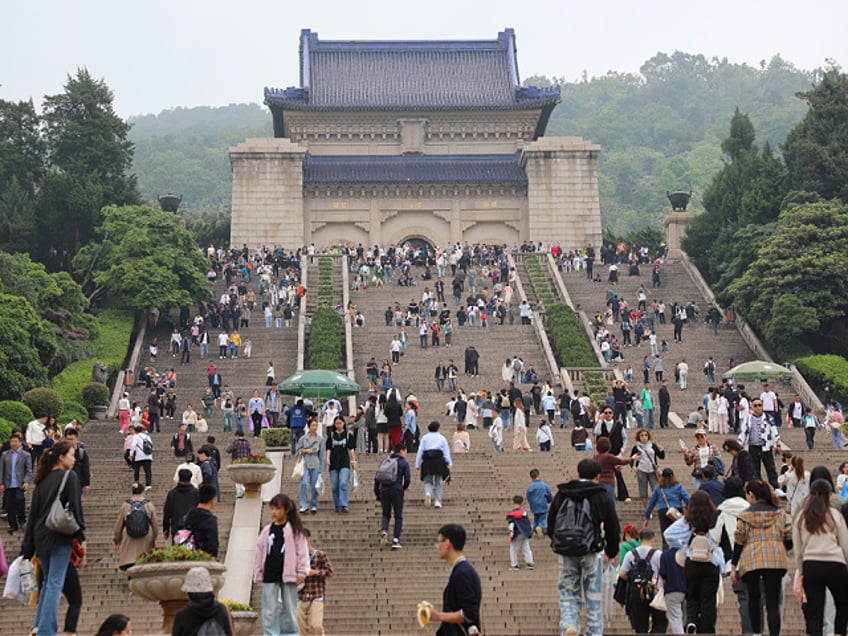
(59, 519)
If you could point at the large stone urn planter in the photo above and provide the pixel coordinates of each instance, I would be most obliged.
(161, 582)
(244, 622)
(251, 476)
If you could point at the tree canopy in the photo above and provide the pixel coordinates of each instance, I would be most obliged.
(143, 258)
(27, 345)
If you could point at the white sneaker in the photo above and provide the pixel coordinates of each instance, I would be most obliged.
(438, 504)
(428, 499)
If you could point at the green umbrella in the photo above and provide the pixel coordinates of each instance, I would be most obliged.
(757, 370)
(318, 383)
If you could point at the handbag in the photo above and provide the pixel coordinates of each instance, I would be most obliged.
(60, 519)
(297, 472)
(658, 602)
(12, 589)
(671, 513)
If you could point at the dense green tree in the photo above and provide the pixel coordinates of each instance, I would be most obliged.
(22, 148)
(144, 258)
(17, 217)
(800, 271)
(27, 345)
(90, 159)
(816, 150)
(746, 191)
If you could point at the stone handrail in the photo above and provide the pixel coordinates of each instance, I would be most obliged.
(301, 314)
(348, 325)
(118, 389)
(541, 334)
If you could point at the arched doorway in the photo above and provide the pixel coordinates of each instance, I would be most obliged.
(422, 249)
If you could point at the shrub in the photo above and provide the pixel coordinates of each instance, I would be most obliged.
(16, 412)
(6, 427)
(235, 606)
(43, 401)
(276, 436)
(173, 554)
(826, 370)
(567, 338)
(253, 459)
(74, 410)
(95, 394)
(325, 340)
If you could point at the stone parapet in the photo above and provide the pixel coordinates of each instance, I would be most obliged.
(267, 193)
(562, 192)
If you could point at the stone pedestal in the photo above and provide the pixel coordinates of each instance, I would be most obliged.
(675, 228)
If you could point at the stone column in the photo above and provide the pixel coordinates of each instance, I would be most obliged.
(675, 227)
(267, 205)
(562, 192)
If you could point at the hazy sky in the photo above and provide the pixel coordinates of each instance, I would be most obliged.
(157, 54)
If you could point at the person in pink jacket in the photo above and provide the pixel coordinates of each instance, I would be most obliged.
(282, 563)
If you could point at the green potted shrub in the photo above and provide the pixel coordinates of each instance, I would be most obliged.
(42, 400)
(276, 438)
(158, 576)
(95, 398)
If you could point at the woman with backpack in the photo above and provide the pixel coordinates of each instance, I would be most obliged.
(763, 536)
(703, 562)
(135, 528)
(820, 537)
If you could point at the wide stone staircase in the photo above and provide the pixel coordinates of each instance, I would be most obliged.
(375, 589)
(698, 343)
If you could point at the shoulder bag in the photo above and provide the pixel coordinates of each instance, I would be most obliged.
(61, 519)
(673, 514)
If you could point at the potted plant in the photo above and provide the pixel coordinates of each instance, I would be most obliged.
(252, 472)
(95, 398)
(276, 439)
(158, 575)
(244, 617)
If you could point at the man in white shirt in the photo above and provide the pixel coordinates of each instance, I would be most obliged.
(769, 399)
(35, 436)
(140, 458)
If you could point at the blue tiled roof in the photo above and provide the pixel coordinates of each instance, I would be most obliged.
(482, 169)
(412, 75)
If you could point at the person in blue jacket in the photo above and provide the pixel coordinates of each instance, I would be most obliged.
(668, 493)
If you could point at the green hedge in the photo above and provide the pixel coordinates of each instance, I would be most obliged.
(568, 339)
(539, 279)
(43, 401)
(6, 427)
(16, 412)
(324, 348)
(596, 386)
(826, 370)
(325, 282)
(74, 410)
(276, 436)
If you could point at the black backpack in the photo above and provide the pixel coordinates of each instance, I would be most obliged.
(640, 586)
(574, 531)
(137, 523)
(211, 627)
(575, 407)
(147, 445)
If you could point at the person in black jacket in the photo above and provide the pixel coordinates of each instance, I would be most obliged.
(82, 464)
(391, 497)
(202, 523)
(201, 607)
(181, 498)
(55, 473)
(743, 464)
(579, 573)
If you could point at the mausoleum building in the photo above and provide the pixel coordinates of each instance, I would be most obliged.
(388, 141)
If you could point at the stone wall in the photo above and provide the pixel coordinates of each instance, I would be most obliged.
(267, 193)
(562, 198)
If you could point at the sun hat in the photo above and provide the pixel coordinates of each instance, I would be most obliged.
(197, 581)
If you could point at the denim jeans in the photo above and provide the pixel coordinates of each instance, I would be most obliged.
(308, 492)
(433, 487)
(339, 481)
(279, 609)
(504, 413)
(204, 350)
(648, 416)
(228, 422)
(54, 564)
(580, 581)
(296, 433)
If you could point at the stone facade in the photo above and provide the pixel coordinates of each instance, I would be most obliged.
(423, 159)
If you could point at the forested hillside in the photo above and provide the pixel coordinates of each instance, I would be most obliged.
(659, 130)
